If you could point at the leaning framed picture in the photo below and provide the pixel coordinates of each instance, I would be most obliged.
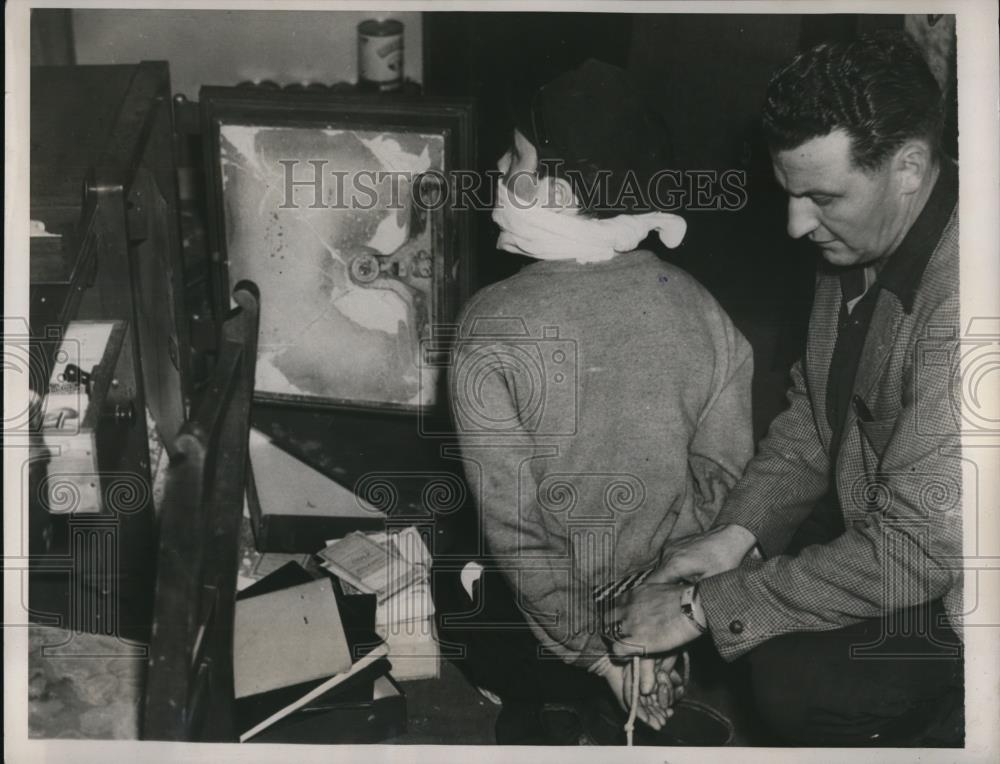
(340, 208)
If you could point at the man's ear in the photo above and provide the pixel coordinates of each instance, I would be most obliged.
(562, 193)
(913, 165)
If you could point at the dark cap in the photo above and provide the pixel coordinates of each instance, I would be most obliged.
(593, 119)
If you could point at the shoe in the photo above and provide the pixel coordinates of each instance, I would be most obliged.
(692, 724)
(527, 723)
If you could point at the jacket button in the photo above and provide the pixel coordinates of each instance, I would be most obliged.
(736, 627)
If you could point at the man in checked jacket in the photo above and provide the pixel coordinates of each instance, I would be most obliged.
(834, 566)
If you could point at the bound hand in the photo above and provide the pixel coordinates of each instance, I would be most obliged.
(660, 685)
(649, 620)
(619, 679)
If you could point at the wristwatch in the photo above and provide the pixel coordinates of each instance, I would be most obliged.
(687, 606)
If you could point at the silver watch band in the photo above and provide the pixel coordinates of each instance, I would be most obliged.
(687, 606)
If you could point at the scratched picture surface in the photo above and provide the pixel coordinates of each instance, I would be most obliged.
(323, 221)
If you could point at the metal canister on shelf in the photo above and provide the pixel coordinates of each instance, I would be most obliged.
(380, 55)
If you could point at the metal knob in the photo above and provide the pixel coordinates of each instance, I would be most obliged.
(365, 268)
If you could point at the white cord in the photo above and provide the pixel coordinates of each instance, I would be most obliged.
(634, 706)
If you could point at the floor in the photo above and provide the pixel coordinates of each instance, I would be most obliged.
(83, 685)
(447, 710)
(450, 710)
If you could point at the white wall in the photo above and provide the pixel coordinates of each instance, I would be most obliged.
(228, 47)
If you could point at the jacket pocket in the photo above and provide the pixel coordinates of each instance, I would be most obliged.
(875, 437)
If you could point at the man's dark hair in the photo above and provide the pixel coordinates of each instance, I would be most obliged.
(877, 88)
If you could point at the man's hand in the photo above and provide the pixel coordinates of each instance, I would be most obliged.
(660, 685)
(707, 554)
(618, 677)
(651, 620)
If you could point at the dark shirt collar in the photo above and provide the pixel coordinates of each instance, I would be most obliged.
(905, 267)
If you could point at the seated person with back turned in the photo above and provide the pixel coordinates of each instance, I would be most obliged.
(833, 564)
(601, 396)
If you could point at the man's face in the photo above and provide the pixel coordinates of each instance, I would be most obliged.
(853, 215)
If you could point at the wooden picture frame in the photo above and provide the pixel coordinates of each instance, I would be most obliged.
(332, 203)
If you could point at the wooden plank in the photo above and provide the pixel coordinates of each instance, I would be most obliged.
(189, 694)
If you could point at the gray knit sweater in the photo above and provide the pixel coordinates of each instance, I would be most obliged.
(602, 409)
